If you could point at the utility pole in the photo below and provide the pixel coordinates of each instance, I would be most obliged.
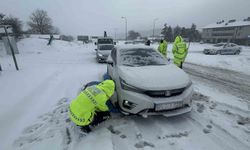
(115, 30)
(126, 27)
(154, 27)
(11, 48)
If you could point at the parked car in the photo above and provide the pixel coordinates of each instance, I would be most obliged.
(104, 47)
(147, 84)
(223, 49)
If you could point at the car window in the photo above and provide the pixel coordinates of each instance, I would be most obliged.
(105, 41)
(219, 45)
(141, 57)
(106, 47)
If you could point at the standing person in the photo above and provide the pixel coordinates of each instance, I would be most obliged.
(165, 47)
(50, 39)
(90, 107)
(179, 51)
(148, 43)
(161, 48)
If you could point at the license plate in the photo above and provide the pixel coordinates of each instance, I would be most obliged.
(168, 106)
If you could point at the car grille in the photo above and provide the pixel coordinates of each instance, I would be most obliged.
(155, 111)
(165, 93)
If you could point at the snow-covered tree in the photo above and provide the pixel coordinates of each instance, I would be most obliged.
(133, 35)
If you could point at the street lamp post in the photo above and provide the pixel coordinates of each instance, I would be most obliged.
(115, 30)
(126, 27)
(154, 27)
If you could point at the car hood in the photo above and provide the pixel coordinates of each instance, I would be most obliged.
(163, 77)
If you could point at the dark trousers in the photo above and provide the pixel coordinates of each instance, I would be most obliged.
(181, 65)
(98, 118)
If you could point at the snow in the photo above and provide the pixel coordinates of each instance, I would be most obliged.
(44, 36)
(226, 24)
(34, 102)
(239, 63)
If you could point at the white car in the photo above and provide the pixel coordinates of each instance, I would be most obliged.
(223, 49)
(146, 84)
(104, 47)
(103, 51)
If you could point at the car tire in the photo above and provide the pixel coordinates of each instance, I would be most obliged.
(237, 53)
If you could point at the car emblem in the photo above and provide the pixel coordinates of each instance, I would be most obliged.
(167, 93)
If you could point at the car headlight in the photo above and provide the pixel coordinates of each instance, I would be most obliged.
(99, 54)
(128, 87)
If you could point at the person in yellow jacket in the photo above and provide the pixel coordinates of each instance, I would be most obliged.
(90, 107)
(162, 48)
(180, 51)
(165, 46)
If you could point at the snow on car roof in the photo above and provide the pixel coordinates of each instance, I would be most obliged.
(134, 46)
(227, 24)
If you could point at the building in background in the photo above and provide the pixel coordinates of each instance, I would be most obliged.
(228, 31)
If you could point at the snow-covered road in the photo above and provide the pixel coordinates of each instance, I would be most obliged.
(34, 104)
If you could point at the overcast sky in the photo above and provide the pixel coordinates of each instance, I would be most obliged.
(93, 16)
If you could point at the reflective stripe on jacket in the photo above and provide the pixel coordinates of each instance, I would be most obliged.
(94, 98)
(162, 49)
(179, 51)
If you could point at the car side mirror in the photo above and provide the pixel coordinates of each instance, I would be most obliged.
(95, 43)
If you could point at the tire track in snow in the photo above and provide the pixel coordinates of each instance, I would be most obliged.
(218, 134)
(48, 126)
(231, 81)
(228, 119)
(152, 131)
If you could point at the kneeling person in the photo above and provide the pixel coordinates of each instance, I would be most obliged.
(90, 108)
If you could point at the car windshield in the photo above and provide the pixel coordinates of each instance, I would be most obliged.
(106, 47)
(141, 57)
(105, 41)
(219, 45)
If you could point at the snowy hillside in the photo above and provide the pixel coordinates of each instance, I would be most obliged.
(34, 102)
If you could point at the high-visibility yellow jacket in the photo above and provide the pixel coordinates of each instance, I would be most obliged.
(179, 50)
(162, 48)
(92, 99)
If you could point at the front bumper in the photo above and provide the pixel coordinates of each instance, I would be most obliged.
(101, 58)
(146, 105)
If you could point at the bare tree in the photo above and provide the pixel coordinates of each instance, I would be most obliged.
(14, 22)
(16, 25)
(40, 22)
(1, 17)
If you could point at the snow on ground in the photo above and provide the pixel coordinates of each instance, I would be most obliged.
(34, 102)
(232, 62)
